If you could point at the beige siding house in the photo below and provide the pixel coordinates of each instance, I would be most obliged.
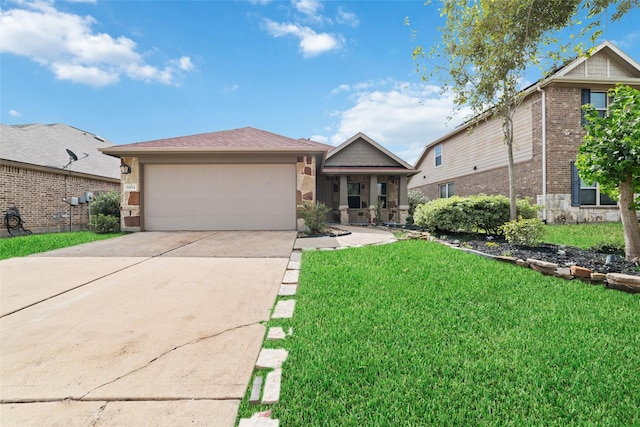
(548, 131)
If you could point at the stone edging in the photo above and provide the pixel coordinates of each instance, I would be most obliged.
(622, 282)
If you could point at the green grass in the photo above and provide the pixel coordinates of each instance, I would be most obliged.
(585, 235)
(416, 333)
(36, 243)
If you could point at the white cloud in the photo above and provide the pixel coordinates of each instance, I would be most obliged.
(308, 7)
(403, 118)
(320, 138)
(310, 43)
(15, 113)
(347, 18)
(67, 44)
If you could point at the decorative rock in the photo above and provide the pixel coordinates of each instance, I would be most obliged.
(277, 333)
(580, 271)
(543, 267)
(293, 265)
(598, 277)
(522, 263)
(284, 309)
(508, 259)
(260, 419)
(295, 256)
(271, 358)
(287, 290)
(624, 282)
(291, 276)
(254, 399)
(271, 393)
(563, 273)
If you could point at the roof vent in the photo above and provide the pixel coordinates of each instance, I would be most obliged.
(99, 138)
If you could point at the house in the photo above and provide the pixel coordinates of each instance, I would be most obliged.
(250, 179)
(40, 180)
(547, 132)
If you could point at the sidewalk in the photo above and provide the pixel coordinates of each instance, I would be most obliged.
(360, 236)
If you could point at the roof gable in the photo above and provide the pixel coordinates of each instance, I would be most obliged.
(362, 151)
(46, 145)
(606, 61)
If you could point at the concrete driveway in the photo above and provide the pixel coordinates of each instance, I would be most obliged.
(148, 329)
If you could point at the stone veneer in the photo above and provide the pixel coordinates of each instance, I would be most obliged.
(130, 202)
(305, 184)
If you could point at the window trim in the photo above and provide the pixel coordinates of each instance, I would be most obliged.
(438, 155)
(382, 195)
(352, 184)
(446, 186)
(578, 185)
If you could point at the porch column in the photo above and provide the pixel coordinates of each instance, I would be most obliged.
(344, 201)
(403, 200)
(373, 197)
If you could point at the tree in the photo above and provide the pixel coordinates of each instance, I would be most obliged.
(610, 156)
(488, 45)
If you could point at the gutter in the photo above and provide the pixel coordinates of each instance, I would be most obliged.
(544, 152)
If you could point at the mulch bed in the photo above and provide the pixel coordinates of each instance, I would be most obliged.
(564, 256)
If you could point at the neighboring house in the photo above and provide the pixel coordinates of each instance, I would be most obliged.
(37, 176)
(250, 179)
(547, 132)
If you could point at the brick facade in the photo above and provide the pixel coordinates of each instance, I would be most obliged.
(39, 194)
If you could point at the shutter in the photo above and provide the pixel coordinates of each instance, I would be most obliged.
(585, 98)
(575, 185)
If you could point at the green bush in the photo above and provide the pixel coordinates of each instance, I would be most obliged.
(106, 203)
(103, 224)
(523, 231)
(105, 212)
(470, 214)
(416, 198)
(315, 216)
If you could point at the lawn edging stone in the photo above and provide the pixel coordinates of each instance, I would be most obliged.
(618, 281)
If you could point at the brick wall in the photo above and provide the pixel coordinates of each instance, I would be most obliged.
(38, 195)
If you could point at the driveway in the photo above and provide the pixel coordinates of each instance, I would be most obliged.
(147, 329)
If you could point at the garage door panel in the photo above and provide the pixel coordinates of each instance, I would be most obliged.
(220, 197)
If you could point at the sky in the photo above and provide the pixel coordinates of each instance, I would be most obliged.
(132, 71)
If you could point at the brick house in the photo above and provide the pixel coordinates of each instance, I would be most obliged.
(36, 175)
(250, 179)
(547, 132)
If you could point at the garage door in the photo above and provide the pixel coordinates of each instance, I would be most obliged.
(220, 197)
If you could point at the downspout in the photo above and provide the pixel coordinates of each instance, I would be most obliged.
(544, 152)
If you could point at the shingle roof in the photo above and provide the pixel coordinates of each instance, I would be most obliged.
(46, 144)
(247, 138)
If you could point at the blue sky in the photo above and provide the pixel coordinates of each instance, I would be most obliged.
(134, 71)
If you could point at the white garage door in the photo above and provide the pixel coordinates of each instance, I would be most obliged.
(220, 197)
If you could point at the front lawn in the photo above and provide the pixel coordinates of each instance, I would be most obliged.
(585, 235)
(36, 243)
(416, 333)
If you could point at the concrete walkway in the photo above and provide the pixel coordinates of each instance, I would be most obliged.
(359, 236)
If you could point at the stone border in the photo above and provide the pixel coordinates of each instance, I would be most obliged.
(273, 359)
(622, 282)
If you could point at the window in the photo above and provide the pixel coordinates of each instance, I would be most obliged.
(446, 190)
(599, 100)
(382, 194)
(353, 194)
(586, 193)
(438, 154)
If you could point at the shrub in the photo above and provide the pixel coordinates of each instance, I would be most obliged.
(106, 203)
(315, 216)
(105, 212)
(470, 214)
(103, 224)
(416, 198)
(523, 231)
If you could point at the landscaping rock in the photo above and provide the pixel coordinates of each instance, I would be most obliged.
(598, 277)
(256, 389)
(284, 309)
(564, 273)
(547, 268)
(522, 263)
(624, 282)
(271, 358)
(291, 276)
(580, 271)
(508, 259)
(271, 393)
(260, 419)
(287, 290)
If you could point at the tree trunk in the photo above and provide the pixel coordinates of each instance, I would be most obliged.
(629, 219)
(507, 129)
